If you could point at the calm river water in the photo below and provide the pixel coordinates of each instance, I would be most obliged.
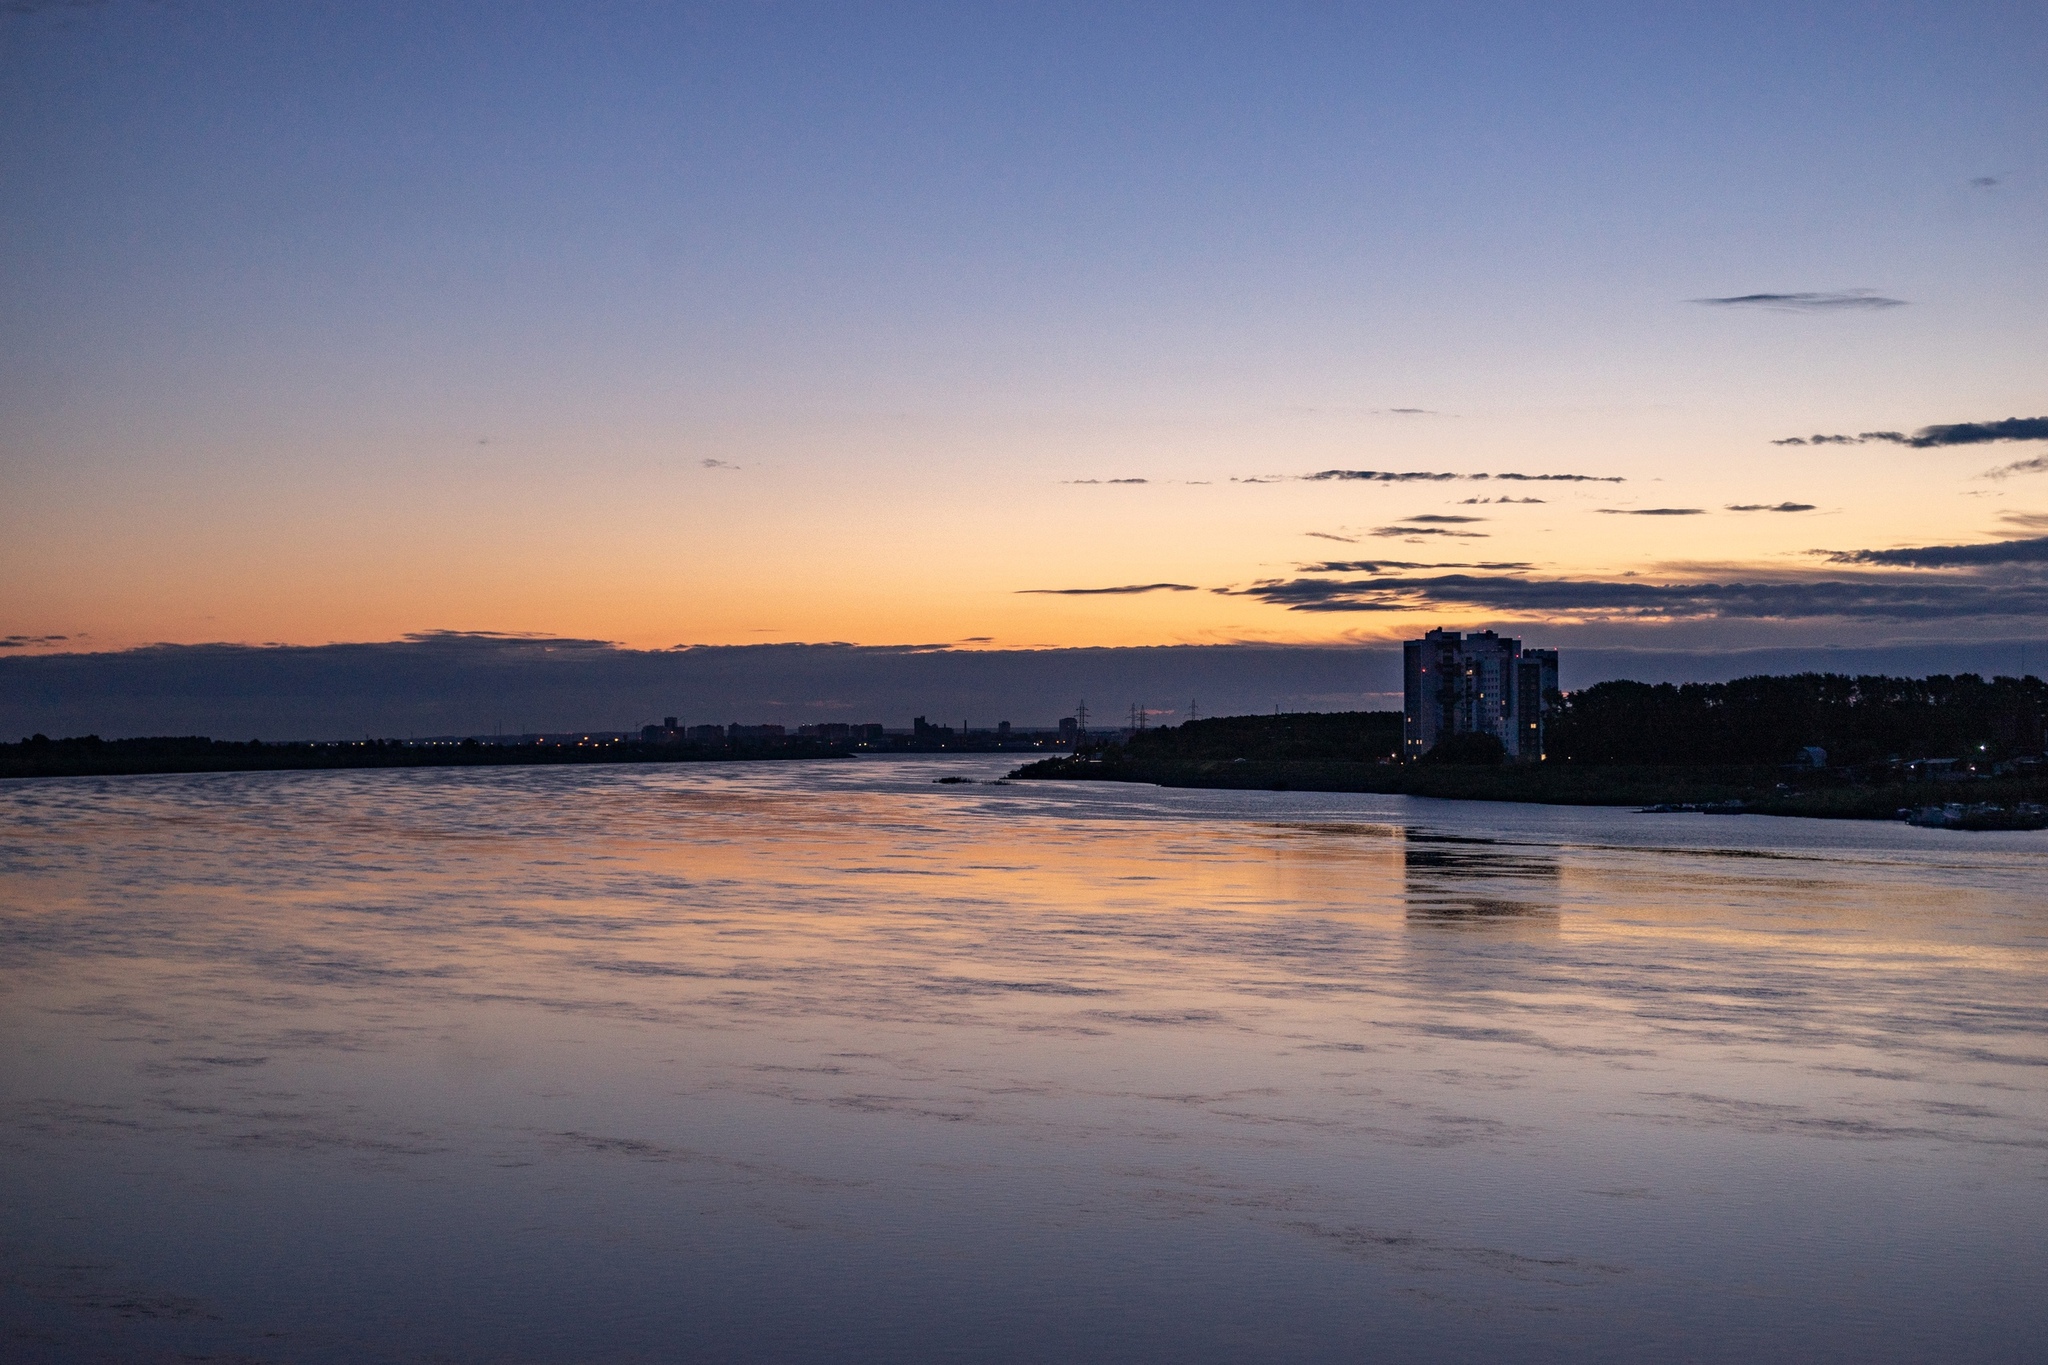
(809, 1061)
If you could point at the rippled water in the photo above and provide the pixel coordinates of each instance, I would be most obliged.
(827, 1060)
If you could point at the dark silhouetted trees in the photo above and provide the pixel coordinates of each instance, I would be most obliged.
(1858, 720)
(1361, 736)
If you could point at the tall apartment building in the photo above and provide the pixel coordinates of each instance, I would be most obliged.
(1477, 684)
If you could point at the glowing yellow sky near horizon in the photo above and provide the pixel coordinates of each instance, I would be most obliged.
(676, 553)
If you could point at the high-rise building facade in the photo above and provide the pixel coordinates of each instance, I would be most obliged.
(1477, 684)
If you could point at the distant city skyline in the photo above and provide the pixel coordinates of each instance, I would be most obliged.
(1107, 326)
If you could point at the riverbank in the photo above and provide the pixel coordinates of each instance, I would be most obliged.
(1756, 790)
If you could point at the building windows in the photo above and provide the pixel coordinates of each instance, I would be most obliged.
(1482, 684)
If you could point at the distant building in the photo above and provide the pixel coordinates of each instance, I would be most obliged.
(707, 734)
(1070, 732)
(664, 733)
(737, 732)
(1477, 684)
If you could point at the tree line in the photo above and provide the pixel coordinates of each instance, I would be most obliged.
(1768, 719)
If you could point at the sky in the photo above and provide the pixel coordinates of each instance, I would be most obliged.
(1023, 327)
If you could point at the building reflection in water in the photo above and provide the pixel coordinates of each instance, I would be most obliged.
(1455, 880)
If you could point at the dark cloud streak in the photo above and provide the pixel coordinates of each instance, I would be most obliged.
(1808, 302)
(1382, 565)
(1431, 476)
(1929, 438)
(1865, 597)
(1127, 589)
(1391, 532)
(2034, 551)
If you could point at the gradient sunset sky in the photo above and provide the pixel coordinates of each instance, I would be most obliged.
(757, 322)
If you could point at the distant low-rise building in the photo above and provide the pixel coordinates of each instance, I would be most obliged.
(839, 732)
(1477, 684)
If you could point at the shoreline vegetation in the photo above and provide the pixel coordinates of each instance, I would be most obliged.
(90, 756)
(1815, 745)
(1747, 791)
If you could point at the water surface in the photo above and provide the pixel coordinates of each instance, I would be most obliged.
(788, 1061)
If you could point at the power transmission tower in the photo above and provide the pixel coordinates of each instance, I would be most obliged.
(1081, 722)
(1194, 711)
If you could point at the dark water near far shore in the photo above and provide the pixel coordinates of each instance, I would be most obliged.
(826, 1061)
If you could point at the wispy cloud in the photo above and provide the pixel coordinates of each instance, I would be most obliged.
(1770, 507)
(1384, 565)
(1125, 590)
(1432, 476)
(1104, 481)
(1807, 302)
(1482, 502)
(2026, 521)
(2037, 465)
(1442, 519)
(715, 464)
(1325, 535)
(1558, 478)
(1390, 532)
(30, 641)
(1378, 476)
(1985, 182)
(2034, 551)
(1951, 434)
(1653, 511)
